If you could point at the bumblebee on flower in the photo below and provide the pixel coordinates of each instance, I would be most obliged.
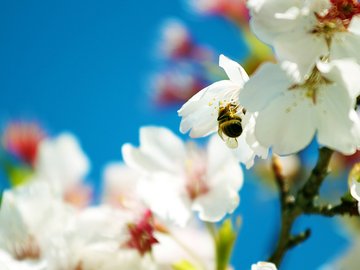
(218, 108)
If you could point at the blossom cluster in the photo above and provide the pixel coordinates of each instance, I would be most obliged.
(145, 203)
(312, 90)
(184, 64)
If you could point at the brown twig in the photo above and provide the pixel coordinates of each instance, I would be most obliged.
(303, 204)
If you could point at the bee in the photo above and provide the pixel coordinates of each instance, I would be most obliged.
(229, 124)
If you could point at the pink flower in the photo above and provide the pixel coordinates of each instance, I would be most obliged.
(142, 234)
(22, 139)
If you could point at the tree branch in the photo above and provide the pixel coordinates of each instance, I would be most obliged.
(344, 208)
(303, 200)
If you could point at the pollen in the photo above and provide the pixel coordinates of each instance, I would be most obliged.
(142, 234)
(312, 85)
(337, 18)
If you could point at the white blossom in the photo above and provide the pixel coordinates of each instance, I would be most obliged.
(29, 216)
(120, 187)
(90, 240)
(7, 262)
(179, 178)
(200, 114)
(176, 39)
(61, 162)
(192, 244)
(305, 31)
(291, 112)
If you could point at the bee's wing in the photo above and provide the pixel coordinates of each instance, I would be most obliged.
(231, 142)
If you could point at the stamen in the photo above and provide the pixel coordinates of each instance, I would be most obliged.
(142, 234)
(312, 84)
(337, 18)
(29, 249)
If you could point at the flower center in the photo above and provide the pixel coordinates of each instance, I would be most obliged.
(22, 140)
(29, 249)
(196, 185)
(142, 234)
(337, 18)
(79, 266)
(312, 84)
(195, 174)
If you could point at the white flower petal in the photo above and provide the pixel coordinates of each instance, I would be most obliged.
(291, 47)
(355, 189)
(339, 125)
(162, 193)
(272, 18)
(268, 82)
(217, 154)
(345, 45)
(233, 70)
(196, 239)
(225, 178)
(250, 121)
(345, 72)
(160, 149)
(222, 164)
(248, 145)
(287, 124)
(162, 144)
(61, 161)
(216, 204)
(137, 160)
(200, 114)
(7, 262)
(354, 26)
(191, 105)
(244, 153)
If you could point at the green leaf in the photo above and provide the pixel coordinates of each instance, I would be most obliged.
(225, 240)
(18, 175)
(183, 265)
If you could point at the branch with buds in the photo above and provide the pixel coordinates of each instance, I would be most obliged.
(304, 202)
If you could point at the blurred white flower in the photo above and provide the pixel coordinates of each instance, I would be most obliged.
(90, 240)
(235, 10)
(29, 216)
(176, 39)
(263, 266)
(120, 187)
(304, 31)
(7, 262)
(216, 107)
(176, 85)
(22, 139)
(179, 178)
(205, 6)
(61, 162)
(191, 244)
(291, 112)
